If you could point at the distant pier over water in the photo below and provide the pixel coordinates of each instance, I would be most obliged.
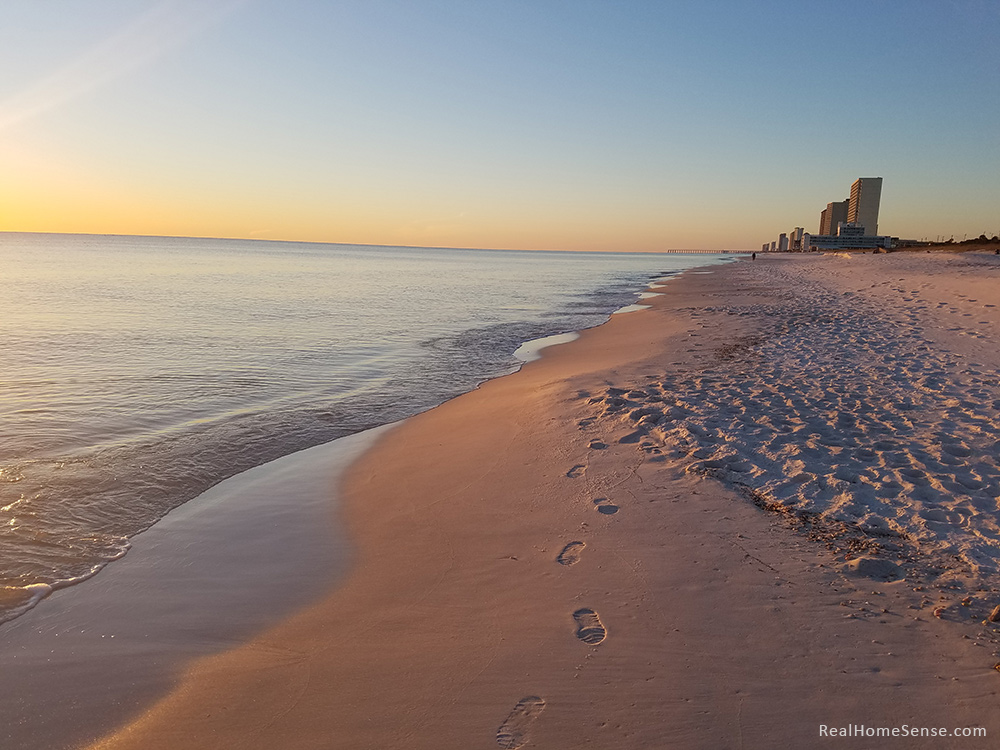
(709, 252)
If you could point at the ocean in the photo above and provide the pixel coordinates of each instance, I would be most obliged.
(138, 372)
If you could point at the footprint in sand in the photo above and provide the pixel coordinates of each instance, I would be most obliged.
(576, 471)
(513, 733)
(605, 506)
(570, 554)
(589, 627)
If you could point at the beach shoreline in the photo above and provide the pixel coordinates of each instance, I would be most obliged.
(702, 626)
(211, 574)
(540, 565)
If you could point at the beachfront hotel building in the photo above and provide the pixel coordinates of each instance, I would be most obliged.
(863, 207)
(831, 217)
(849, 237)
(795, 239)
(850, 224)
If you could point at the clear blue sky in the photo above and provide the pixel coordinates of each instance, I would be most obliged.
(534, 124)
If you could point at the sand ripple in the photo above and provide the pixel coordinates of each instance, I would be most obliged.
(841, 408)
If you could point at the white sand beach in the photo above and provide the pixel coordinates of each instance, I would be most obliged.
(763, 509)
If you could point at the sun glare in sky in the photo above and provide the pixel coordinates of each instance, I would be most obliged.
(545, 124)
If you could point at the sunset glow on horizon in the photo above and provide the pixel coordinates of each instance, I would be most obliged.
(636, 126)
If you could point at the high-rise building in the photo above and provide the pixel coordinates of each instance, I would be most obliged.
(863, 209)
(833, 215)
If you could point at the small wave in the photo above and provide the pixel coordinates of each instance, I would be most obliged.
(531, 350)
(16, 600)
(630, 308)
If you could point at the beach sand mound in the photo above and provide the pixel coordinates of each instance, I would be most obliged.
(875, 568)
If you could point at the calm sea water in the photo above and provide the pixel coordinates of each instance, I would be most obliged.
(137, 372)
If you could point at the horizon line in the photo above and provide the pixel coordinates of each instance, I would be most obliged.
(699, 251)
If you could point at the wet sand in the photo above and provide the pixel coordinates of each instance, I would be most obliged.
(756, 509)
(208, 576)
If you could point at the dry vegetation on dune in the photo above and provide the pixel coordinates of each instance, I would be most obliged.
(980, 244)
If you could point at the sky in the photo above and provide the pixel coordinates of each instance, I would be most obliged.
(619, 125)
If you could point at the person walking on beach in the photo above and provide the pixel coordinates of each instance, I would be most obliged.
(753, 256)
